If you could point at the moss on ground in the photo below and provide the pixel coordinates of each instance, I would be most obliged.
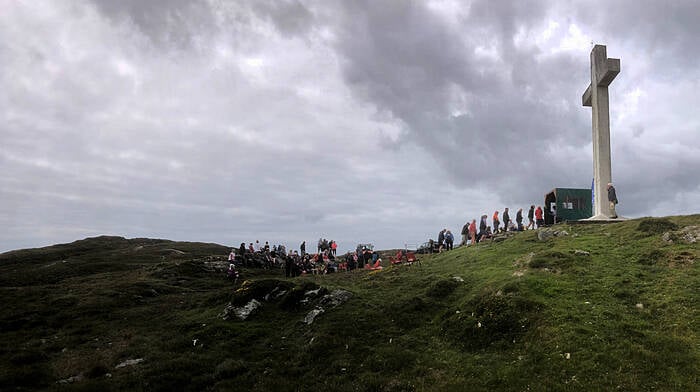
(515, 315)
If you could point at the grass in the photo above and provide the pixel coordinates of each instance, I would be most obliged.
(515, 315)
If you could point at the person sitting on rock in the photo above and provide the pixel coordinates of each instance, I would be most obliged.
(487, 234)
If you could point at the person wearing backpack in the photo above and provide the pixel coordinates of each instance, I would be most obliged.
(465, 234)
(449, 240)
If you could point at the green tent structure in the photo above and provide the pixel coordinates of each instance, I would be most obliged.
(567, 204)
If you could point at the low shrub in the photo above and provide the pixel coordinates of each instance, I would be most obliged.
(442, 288)
(653, 226)
(230, 368)
(552, 259)
(652, 257)
(489, 320)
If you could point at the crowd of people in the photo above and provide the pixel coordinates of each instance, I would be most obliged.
(297, 263)
(473, 234)
(326, 261)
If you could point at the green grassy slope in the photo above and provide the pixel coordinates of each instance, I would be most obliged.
(521, 314)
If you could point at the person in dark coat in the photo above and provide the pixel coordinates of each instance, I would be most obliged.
(449, 240)
(612, 198)
(531, 218)
(302, 248)
(288, 265)
(465, 233)
(482, 228)
(506, 219)
(519, 219)
(441, 239)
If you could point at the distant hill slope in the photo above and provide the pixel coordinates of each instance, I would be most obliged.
(573, 307)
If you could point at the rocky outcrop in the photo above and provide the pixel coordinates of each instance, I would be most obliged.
(241, 312)
(688, 235)
(549, 232)
(287, 298)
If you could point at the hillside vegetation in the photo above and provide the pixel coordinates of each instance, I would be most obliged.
(595, 307)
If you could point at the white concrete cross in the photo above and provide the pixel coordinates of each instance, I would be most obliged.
(603, 71)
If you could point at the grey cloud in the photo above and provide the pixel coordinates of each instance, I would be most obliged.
(289, 16)
(168, 23)
(406, 61)
(666, 31)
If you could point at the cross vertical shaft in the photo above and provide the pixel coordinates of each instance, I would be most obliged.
(603, 71)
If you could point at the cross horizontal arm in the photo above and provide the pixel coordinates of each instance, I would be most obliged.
(587, 96)
(606, 75)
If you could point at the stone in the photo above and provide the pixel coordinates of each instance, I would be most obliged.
(311, 316)
(129, 362)
(335, 298)
(547, 233)
(312, 293)
(667, 237)
(242, 312)
(690, 234)
(70, 380)
(603, 71)
(458, 279)
(579, 252)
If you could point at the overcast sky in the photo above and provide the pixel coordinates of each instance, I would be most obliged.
(359, 121)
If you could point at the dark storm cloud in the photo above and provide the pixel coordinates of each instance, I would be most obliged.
(667, 31)
(290, 17)
(406, 60)
(168, 23)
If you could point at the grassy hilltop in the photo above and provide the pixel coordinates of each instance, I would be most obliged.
(600, 307)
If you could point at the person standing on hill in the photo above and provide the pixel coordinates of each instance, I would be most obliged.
(449, 240)
(539, 217)
(531, 218)
(482, 228)
(465, 234)
(441, 239)
(496, 222)
(506, 219)
(519, 219)
(334, 246)
(302, 248)
(612, 198)
(472, 231)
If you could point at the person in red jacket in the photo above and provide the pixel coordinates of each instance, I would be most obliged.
(538, 217)
(496, 222)
(472, 231)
